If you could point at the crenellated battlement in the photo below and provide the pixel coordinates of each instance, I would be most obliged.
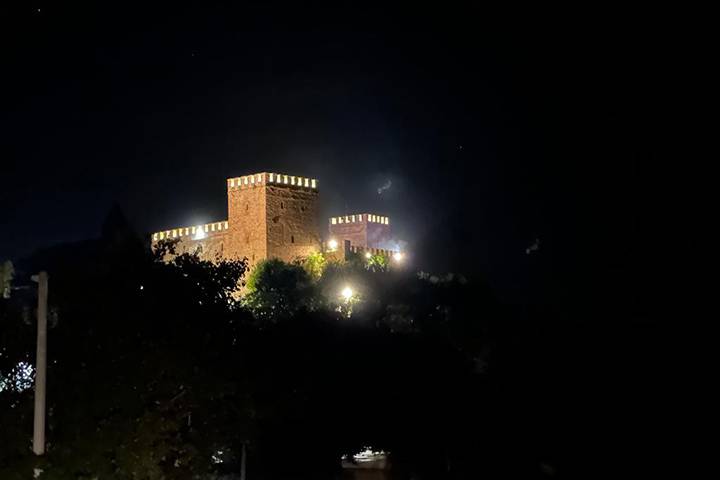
(360, 218)
(198, 232)
(265, 178)
(372, 251)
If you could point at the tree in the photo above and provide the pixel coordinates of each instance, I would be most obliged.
(6, 275)
(377, 263)
(277, 290)
(314, 264)
(213, 284)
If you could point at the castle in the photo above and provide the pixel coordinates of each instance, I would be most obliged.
(273, 215)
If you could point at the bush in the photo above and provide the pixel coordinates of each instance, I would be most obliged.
(276, 290)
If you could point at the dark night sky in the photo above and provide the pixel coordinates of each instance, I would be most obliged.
(152, 108)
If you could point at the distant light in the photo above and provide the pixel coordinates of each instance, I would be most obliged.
(141, 287)
(347, 293)
(19, 378)
(199, 233)
(217, 457)
(333, 244)
(368, 254)
(397, 256)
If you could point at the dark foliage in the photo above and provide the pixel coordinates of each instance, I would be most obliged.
(157, 372)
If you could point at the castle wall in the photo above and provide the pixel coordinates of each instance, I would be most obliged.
(355, 232)
(247, 237)
(292, 221)
(211, 248)
(208, 240)
(378, 235)
(363, 230)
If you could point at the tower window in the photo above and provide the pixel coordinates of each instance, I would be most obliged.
(247, 207)
(292, 238)
(282, 205)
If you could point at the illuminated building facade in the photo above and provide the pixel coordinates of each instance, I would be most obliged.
(365, 230)
(272, 215)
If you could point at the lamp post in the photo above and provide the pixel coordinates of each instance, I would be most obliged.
(41, 364)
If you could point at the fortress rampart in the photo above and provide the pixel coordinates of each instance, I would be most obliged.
(360, 218)
(198, 231)
(265, 178)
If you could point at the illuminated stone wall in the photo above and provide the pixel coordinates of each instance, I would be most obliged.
(292, 221)
(211, 248)
(378, 235)
(363, 230)
(247, 237)
(207, 240)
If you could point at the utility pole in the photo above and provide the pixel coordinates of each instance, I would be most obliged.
(243, 461)
(41, 364)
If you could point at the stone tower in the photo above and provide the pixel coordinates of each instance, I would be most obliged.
(272, 216)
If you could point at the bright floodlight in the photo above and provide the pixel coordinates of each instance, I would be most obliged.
(368, 254)
(333, 244)
(347, 293)
(199, 233)
(397, 256)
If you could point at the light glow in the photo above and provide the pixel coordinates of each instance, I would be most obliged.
(19, 378)
(333, 244)
(347, 293)
(199, 233)
(397, 256)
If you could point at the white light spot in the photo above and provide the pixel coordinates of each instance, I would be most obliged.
(217, 457)
(20, 378)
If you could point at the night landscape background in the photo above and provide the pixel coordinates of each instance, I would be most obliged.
(505, 149)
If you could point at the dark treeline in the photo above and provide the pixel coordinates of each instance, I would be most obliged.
(156, 371)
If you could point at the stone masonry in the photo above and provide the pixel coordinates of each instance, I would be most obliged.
(364, 230)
